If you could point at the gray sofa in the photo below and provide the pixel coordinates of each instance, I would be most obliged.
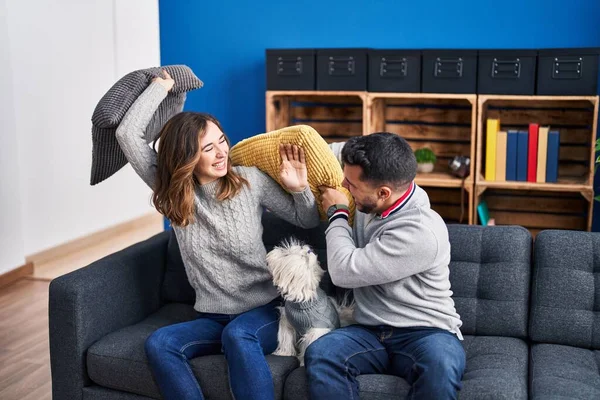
(526, 336)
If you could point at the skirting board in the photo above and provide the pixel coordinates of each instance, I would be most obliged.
(16, 274)
(92, 239)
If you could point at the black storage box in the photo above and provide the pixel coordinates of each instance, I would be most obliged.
(290, 69)
(449, 71)
(342, 69)
(568, 72)
(507, 72)
(394, 71)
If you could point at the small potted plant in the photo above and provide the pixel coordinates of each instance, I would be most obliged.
(425, 159)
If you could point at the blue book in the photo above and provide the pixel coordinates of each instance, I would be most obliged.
(511, 156)
(522, 147)
(552, 156)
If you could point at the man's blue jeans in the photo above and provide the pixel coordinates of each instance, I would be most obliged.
(431, 360)
(244, 338)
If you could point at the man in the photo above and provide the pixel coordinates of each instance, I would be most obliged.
(395, 258)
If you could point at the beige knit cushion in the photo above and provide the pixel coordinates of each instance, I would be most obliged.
(324, 169)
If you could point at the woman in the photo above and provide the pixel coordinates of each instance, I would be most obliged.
(215, 210)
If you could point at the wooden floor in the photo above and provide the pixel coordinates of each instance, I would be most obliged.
(24, 351)
(24, 354)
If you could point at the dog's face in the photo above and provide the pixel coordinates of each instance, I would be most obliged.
(296, 270)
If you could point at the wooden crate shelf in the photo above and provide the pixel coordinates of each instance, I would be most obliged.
(447, 201)
(446, 123)
(576, 119)
(335, 115)
(537, 210)
(566, 204)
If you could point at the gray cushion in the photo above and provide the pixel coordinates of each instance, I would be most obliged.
(107, 156)
(564, 372)
(372, 387)
(490, 274)
(102, 393)
(118, 361)
(565, 301)
(496, 369)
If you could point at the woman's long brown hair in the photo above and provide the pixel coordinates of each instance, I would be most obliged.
(178, 155)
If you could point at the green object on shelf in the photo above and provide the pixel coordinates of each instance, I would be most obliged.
(483, 212)
(425, 155)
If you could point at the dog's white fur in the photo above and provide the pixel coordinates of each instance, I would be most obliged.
(296, 273)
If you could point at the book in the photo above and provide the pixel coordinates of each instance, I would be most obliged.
(491, 134)
(483, 213)
(532, 144)
(511, 155)
(501, 156)
(522, 154)
(541, 157)
(552, 156)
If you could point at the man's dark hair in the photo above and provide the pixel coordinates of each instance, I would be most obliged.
(385, 158)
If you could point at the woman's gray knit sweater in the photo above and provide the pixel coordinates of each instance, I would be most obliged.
(222, 250)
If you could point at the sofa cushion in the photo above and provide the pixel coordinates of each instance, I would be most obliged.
(559, 371)
(118, 361)
(372, 387)
(176, 287)
(565, 300)
(490, 274)
(496, 369)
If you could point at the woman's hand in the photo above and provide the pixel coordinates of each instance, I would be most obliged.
(294, 176)
(167, 82)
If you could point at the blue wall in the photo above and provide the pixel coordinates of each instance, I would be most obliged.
(224, 41)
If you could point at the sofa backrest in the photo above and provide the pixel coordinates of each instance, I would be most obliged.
(176, 287)
(490, 276)
(565, 298)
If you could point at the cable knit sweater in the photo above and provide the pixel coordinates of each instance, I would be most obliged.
(223, 252)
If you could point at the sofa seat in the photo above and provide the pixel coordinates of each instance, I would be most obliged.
(118, 360)
(561, 372)
(496, 369)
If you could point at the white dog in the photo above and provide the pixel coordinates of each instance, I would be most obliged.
(308, 313)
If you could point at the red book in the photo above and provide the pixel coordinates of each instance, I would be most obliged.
(532, 152)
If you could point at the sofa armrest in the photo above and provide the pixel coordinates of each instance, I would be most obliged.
(85, 305)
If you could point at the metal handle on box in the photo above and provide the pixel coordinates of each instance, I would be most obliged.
(567, 68)
(393, 68)
(341, 66)
(448, 68)
(287, 66)
(506, 69)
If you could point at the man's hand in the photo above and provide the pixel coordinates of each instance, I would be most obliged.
(294, 176)
(330, 196)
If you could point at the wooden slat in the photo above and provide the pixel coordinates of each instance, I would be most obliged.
(338, 129)
(429, 115)
(327, 113)
(432, 132)
(325, 99)
(532, 203)
(541, 116)
(574, 153)
(451, 212)
(538, 102)
(433, 102)
(444, 149)
(572, 169)
(567, 135)
(539, 220)
(445, 196)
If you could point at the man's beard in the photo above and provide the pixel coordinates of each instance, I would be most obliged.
(367, 206)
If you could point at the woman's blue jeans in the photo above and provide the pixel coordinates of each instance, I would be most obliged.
(243, 338)
(431, 360)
